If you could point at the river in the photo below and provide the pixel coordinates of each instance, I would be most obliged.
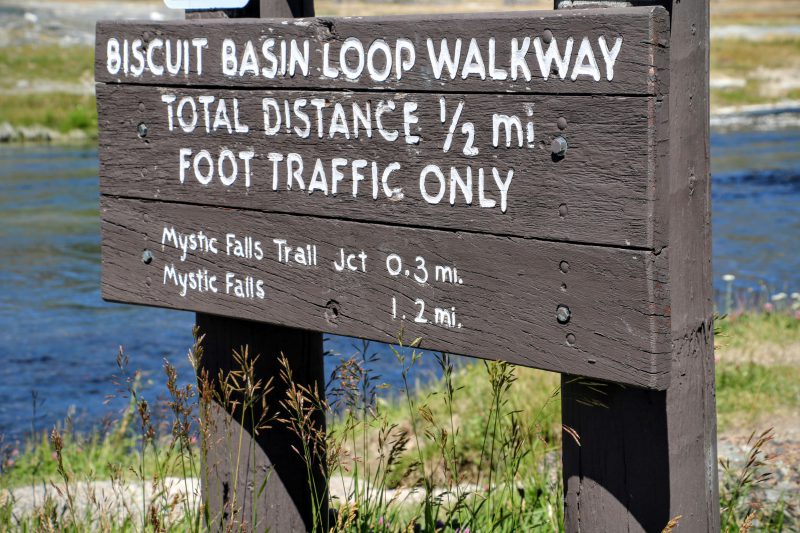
(59, 340)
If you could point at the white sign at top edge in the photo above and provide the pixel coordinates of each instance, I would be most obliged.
(205, 4)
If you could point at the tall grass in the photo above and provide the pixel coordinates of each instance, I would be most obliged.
(474, 450)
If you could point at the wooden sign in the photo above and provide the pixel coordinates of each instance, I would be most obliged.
(493, 184)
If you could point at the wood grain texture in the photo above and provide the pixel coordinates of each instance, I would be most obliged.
(639, 68)
(651, 455)
(607, 190)
(507, 303)
(691, 404)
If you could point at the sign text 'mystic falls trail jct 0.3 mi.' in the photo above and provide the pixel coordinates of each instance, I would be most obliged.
(492, 184)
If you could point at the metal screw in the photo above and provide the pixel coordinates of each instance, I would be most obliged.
(142, 130)
(563, 314)
(147, 257)
(570, 339)
(559, 146)
(547, 36)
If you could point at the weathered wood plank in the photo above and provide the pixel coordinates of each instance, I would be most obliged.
(651, 456)
(638, 69)
(606, 190)
(505, 292)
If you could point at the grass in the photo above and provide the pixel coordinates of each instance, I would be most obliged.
(758, 373)
(755, 12)
(761, 64)
(759, 331)
(56, 111)
(750, 394)
(479, 426)
(52, 63)
(45, 86)
(535, 398)
(479, 445)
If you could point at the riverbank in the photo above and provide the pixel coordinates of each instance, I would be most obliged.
(415, 439)
(46, 60)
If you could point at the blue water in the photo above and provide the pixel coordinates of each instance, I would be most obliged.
(59, 340)
(756, 209)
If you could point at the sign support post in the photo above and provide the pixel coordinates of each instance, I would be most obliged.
(277, 492)
(650, 456)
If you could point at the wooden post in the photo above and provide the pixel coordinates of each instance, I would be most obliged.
(284, 503)
(650, 456)
(274, 487)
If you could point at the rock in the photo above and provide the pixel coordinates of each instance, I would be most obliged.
(75, 136)
(7, 133)
(37, 134)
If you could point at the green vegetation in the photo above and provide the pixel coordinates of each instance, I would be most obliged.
(758, 373)
(763, 65)
(480, 425)
(49, 63)
(57, 111)
(760, 332)
(750, 394)
(48, 86)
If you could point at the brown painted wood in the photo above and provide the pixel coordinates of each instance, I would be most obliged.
(264, 471)
(506, 302)
(275, 489)
(607, 190)
(639, 67)
(650, 456)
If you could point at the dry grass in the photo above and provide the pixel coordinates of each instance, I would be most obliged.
(755, 12)
(770, 69)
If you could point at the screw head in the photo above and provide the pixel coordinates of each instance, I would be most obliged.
(147, 257)
(559, 146)
(141, 129)
(570, 339)
(563, 314)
